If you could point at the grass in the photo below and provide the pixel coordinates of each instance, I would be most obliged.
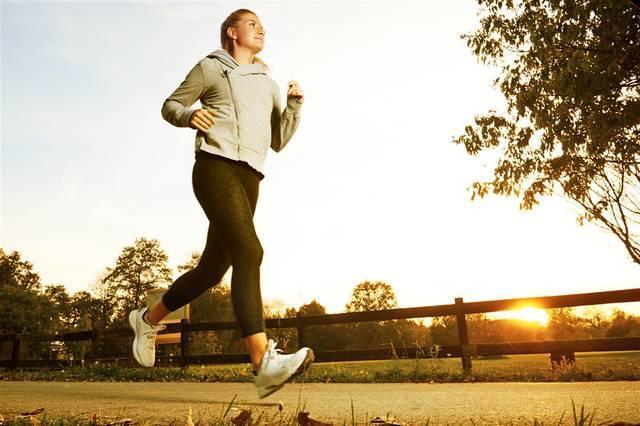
(230, 414)
(589, 366)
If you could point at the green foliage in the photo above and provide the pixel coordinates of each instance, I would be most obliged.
(570, 77)
(623, 325)
(24, 308)
(139, 268)
(372, 296)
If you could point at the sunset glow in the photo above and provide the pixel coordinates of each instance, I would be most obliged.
(526, 314)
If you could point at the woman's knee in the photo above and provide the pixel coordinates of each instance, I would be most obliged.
(248, 252)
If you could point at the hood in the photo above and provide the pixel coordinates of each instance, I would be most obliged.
(225, 57)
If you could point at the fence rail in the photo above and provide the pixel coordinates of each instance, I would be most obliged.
(464, 350)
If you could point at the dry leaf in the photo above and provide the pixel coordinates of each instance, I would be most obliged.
(242, 419)
(122, 422)
(305, 420)
(33, 413)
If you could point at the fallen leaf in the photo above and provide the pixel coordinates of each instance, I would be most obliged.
(122, 422)
(32, 419)
(242, 419)
(382, 422)
(33, 413)
(305, 420)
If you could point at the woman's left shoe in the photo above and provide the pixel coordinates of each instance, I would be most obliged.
(144, 341)
(277, 368)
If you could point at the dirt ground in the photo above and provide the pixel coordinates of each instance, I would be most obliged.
(485, 403)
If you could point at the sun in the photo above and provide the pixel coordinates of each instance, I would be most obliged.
(525, 314)
(531, 314)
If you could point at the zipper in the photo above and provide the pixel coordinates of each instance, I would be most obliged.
(235, 109)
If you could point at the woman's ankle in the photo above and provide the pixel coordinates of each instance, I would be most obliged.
(145, 319)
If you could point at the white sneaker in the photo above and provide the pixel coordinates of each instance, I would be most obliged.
(276, 368)
(144, 342)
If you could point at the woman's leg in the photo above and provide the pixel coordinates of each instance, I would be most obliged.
(228, 194)
(212, 266)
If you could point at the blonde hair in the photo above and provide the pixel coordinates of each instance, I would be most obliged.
(227, 42)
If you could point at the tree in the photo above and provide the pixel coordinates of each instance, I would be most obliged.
(57, 294)
(563, 324)
(105, 315)
(84, 314)
(106, 301)
(23, 306)
(372, 296)
(444, 330)
(623, 325)
(17, 272)
(323, 337)
(139, 268)
(312, 308)
(285, 337)
(571, 80)
(213, 305)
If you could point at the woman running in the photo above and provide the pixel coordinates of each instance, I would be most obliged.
(240, 119)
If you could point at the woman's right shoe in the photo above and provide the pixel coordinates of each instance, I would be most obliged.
(277, 368)
(144, 342)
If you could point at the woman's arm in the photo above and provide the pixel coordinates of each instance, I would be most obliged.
(283, 123)
(176, 109)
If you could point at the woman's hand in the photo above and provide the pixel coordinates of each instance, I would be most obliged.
(295, 91)
(202, 119)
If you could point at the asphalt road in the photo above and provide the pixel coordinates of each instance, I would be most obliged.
(485, 403)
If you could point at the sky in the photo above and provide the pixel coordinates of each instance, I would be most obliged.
(370, 187)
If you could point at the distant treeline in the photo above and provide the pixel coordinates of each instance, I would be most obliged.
(27, 306)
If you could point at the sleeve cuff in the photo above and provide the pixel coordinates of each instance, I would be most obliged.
(187, 113)
(294, 107)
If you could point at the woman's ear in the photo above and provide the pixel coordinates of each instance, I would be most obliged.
(231, 33)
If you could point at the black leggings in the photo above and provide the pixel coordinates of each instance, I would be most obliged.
(227, 190)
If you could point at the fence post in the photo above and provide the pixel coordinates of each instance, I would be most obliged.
(15, 351)
(463, 336)
(301, 338)
(184, 341)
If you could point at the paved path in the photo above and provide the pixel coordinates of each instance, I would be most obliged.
(409, 402)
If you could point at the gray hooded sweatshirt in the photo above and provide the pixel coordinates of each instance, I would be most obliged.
(246, 101)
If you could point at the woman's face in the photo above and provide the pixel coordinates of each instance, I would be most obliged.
(250, 33)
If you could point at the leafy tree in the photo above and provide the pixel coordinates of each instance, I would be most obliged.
(401, 334)
(372, 296)
(213, 305)
(107, 314)
(312, 308)
(82, 312)
(17, 272)
(571, 80)
(139, 268)
(323, 337)
(287, 338)
(623, 325)
(105, 310)
(444, 330)
(23, 306)
(57, 294)
(564, 324)
(594, 322)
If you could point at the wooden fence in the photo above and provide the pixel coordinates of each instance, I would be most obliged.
(464, 349)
